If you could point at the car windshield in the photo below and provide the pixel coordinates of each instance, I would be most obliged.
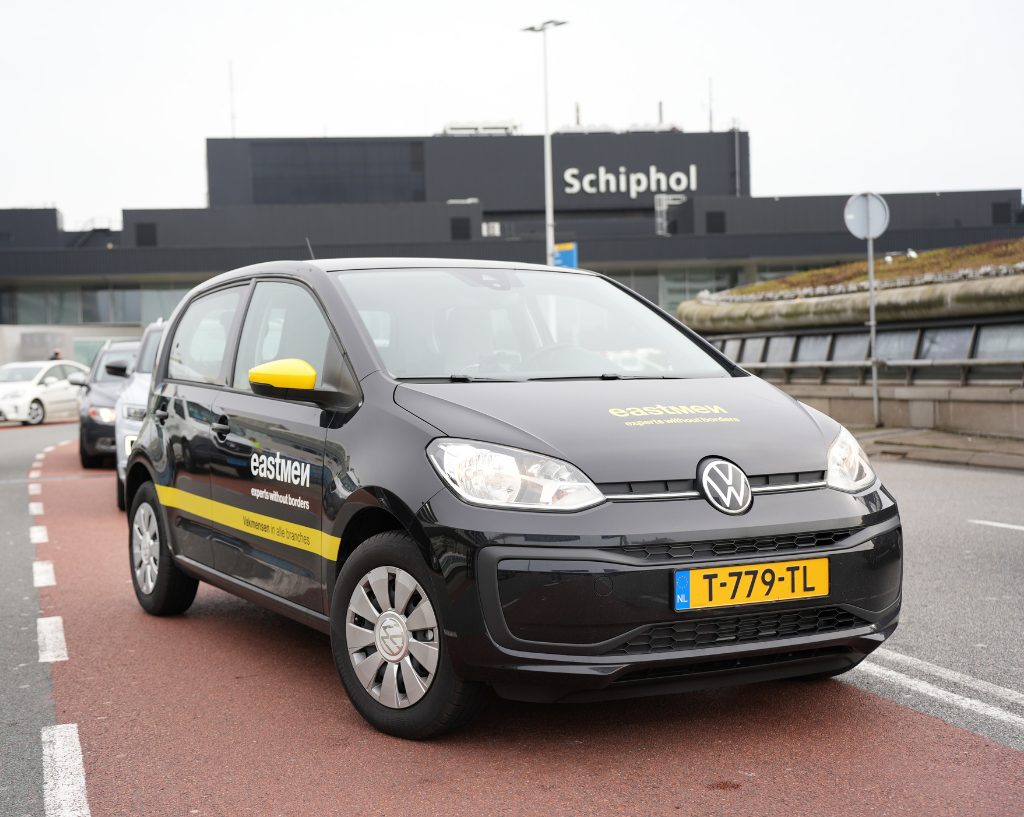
(517, 325)
(147, 356)
(18, 374)
(126, 356)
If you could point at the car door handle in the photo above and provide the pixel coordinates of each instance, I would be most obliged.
(161, 414)
(222, 427)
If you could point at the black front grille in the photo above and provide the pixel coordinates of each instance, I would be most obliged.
(779, 543)
(672, 486)
(723, 630)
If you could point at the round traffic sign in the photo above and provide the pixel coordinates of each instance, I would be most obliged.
(867, 215)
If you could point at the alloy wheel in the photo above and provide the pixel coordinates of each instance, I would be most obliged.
(35, 413)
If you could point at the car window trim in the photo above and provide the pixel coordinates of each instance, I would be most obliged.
(232, 341)
(287, 279)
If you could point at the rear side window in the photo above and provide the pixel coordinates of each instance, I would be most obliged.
(283, 321)
(201, 337)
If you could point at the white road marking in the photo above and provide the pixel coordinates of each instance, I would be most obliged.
(48, 449)
(37, 535)
(50, 634)
(43, 575)
(40, 456)
(932, 691)
(34, 489)
(63, 772)
(1011, 695)
(35, 508)
(1006, 525)
(35, 474)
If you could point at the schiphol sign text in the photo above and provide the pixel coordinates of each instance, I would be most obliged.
(632, 183)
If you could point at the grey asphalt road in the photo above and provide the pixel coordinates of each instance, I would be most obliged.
(957, 655)
(26, 704)
(963, 598)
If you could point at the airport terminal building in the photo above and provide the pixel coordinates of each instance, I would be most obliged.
(467, 195)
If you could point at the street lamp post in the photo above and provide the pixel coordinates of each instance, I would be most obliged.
(549, 193)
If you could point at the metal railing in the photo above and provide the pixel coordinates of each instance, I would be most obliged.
(863, 367)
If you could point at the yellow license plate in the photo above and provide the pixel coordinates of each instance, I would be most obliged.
(730, 585)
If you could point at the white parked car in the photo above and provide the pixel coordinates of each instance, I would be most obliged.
(130, 409)
(33, 391)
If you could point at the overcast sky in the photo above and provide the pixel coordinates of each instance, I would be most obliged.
(106, 105)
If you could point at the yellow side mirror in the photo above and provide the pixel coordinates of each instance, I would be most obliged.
(287, 373)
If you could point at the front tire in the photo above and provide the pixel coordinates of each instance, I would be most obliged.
(36, 413)
(160, 586)
(387, 638)
(88, 460)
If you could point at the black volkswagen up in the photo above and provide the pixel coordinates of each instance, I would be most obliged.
(481, 475)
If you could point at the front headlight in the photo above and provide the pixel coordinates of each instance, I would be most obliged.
(848, 466)
(103, 414)
(135, 412)
(502, 477)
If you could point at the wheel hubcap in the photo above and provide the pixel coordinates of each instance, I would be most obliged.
(145, 548)
(391, 636)
(35, 413)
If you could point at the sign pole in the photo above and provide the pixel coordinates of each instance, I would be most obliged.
(867, 217)
(876, 409)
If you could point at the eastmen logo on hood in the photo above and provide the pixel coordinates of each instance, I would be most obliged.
(654, 411)
(632, 183)
(274, 466)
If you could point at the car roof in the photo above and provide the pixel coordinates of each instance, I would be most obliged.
(322, 266)
(41, 363)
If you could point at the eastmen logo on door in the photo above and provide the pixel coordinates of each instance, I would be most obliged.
(632, 183)
(274, 466)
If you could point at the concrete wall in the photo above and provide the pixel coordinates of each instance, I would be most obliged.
(991, 410)
(30, 342)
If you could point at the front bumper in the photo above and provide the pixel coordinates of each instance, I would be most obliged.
(15, 410)
(126, 432)
(97, 438)
(581, 610)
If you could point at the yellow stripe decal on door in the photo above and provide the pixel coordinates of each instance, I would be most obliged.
(267, 527)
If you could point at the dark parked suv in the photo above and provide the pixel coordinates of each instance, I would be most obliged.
(106, 378)
(475, 474)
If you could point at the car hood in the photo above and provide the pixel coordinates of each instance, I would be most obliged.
(136, 391)
(12, 388)
(103, 394)
(633, 430)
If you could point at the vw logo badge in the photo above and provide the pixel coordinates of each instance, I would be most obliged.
(724, 486)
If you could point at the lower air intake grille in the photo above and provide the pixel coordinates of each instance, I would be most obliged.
(722, 630)
(738, 547)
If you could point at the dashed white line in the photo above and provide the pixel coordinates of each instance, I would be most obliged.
(35, 508)
(50, 634)
(63, 772)
(37, 535)
(1011, 695)
(43, 575)
(40, 456)
(48, 449)
(34, 489)
(35, 474)
(991, 524)
(932, 691)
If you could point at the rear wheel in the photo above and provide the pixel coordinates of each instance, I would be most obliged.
(160, 586)
(388, 641)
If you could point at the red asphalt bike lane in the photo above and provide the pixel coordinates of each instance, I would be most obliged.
(232, 710)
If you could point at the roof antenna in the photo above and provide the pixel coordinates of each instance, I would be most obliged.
(310, 246)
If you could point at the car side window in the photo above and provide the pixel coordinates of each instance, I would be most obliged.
(283, 321)
(53, 371)
(201, 337)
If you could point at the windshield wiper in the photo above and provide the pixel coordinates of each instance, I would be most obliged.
(609, 376)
